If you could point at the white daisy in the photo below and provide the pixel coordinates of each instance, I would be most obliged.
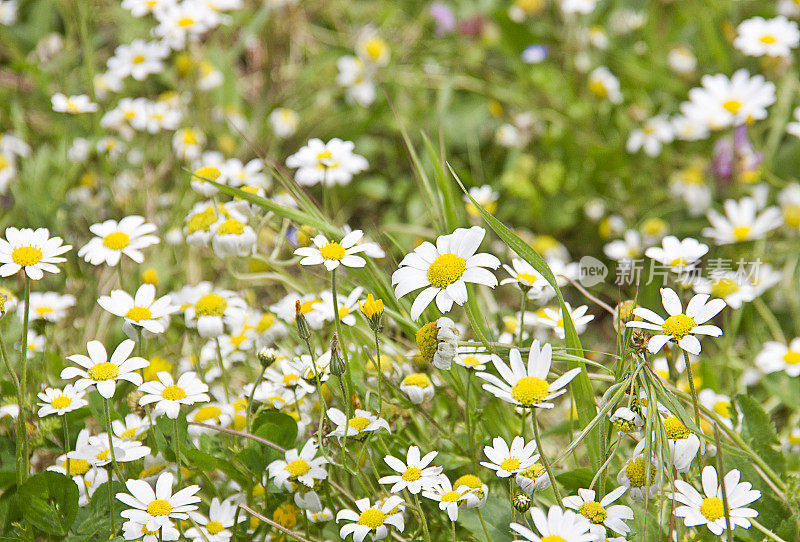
(444, 269)
(507, 461)
(371, 519)
(527, 278)
(169, 395)
(680, 327)
(771, 37)
(633, 475)
(142, 310)
(232, 238)
(284, 121)
(604, 84)
(32, 251)
(551, 317)
(359, 424)
(709, 509)
(218, 526)
(328, 163)
(655, 132)
(156, 509)
(775, 356)
(73, 104)
(333, 253)
(128, 237)
(418, 387)
(414, 474)
(679, 254)
(723, 102)
(97, 369)
(61, 401)
(556, 526)
(138, 59)
(312, 505)
(730, 286)
(209, 309)
(602, 513)
(448, 497)
(298, 467)
(527, 386)
(742, 222)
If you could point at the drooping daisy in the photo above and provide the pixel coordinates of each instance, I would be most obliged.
(361, 423)
(312, 505)
(332, 253)
(158, 508)
(218, 526)
(602, 513)
(679, 254)
(772, 37)
(742, 222)
(98, 370)
(534, 478)
(680, 327)
(527, 386)
(556, 526)
(371, 520)
(61, 401)
(128, 237)
(32, 251)
(486, 197)
(709, 509)
(142, 310)
(169, 395)
(233, 238)
(444, 269)
(474, 358)
(73, 104)
(133, 530)
(775, 356)
(418, 387)
(438, 343)
(477, 492)
(414, 474)
(131, 428)
(626, 420)
(508, 460)
(328, 163)
(298, 467)
(655, 132)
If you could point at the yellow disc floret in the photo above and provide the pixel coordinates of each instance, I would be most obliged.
(116, 240)
(427, 341)
(210, 305)
(25, 256)
(298, 467)
(411, 474)
(332, 251)
(231, 227)
(372, 518)
(510, 464)
(173, 393)
(678, 326)
(446, 269)
(159, 507)
(593, 511)
(635, 471)
(712, 508)
(675, 429)
(214, 527)
(530, 391)
(62, 401)
(359, 423)
(103, 371)
(137, 314)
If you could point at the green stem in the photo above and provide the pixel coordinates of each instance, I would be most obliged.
(543, 457)
(107, 408)
(483, 524)
(23, 462)
(380, 374)
(249, 413)
(422, 519)
(22, 429)
(111, 502)
(453, 523)
(522, 316)
(178, 450)
(222, 370)
(66, 445)
(470, 427)
(345, 356)
(692, 389)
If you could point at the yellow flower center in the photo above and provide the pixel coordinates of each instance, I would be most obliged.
(553, 538)
(129, 433)
(138, 59)
(265, 322)
(308, 306)
(635, 471)
(374, 48)
(332, 251)
(675, 429)
(151, 471)
(598, 88)
(768, 39)
(470, 361)
(206, 413)
(593, 511)
(25, 256)
(62, 401)
(678, 326)
(412, 474)
(103, 371)
(732, 106)
(712, 508)
(202, 221)
(173, 393)
(446, 269)
(298, 467)
(231, 227)
(791, 358)
(210, 305)
(324, 155)
(159, 507)
(791, 214)
(359, 423)
(450, 496)
(534, 471)
(343, 311)
(530, 391)
(742, 233)
(214, 527)
(183, 22)
(469, 480)
(43, 310)
(420, 380)
(511, 464)
(116, 240)
(526, 278)
(427, 341)
(724, 287)
(137, 314)
(678, 262)
(372, 518)
(104, 455)
(77, 467)
(723, 408)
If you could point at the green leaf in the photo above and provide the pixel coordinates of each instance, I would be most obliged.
(581, 386)
(759, 431)
(276, 427)
(50, 502)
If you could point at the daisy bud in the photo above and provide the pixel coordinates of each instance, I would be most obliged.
(522, 502)
(438, 343)
(338, 367)
(373, 310)
(302, 324)
(267, 356)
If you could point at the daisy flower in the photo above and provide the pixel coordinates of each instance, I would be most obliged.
(477, 493)
(775, 356)
(361, 423)
(284, 121)
(679, 327)
(771, 37)
(438, 343)
(793, 128)
(156, 509)
(582, 7)
(218, 526)
(474, 358)
(209, 309)
(556, 526)
(61, 401)
(602, 513)
(328, 163)
(414, 474)
(231, 237)
(444, 269)
(33, 344)
(604, 84)
(332, 253)
(418, 387)
(729, 286)
(73, 104)
(507, 461)
(311, 503)
(138, 59)
(709, 509)
(128, 237)
(131, 428)
(371, 520)
(32, 251)
(142, 310)
(625, 250)
(527, 386)
(169, 395)
(448, 497)
(742, 222)
(551, 317)
(133, 530)
(655, 132)
(526, 277)
(98, 370)
(679, 254)
(634, 477)
(303, 467)
(534, 478)
(721, 102)
(486, 197)
(626, 420)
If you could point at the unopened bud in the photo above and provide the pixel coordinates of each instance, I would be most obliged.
(522, 502)
(302, 324)
(338, 367)
(267, 356)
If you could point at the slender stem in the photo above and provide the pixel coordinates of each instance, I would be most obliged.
(177, 450)
(422, 519)
(250, 399)
(111, 442)
(545, 461)
(111, 511)
(23, 462)
(345, 356)
(22, 429)
(222, 370)
(483, 524)
(522, 316)
(766, 531)
(692, 389)
(453, 523)
(66, 445)
(721, 478)
(322, 405)
(380, 373)
(470, 427)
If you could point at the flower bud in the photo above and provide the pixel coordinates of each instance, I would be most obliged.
(303, 330)
(522, 502)
(267, 356)
(338, 367)
(373, 310)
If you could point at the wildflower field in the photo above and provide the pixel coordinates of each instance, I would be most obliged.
(300, 270)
